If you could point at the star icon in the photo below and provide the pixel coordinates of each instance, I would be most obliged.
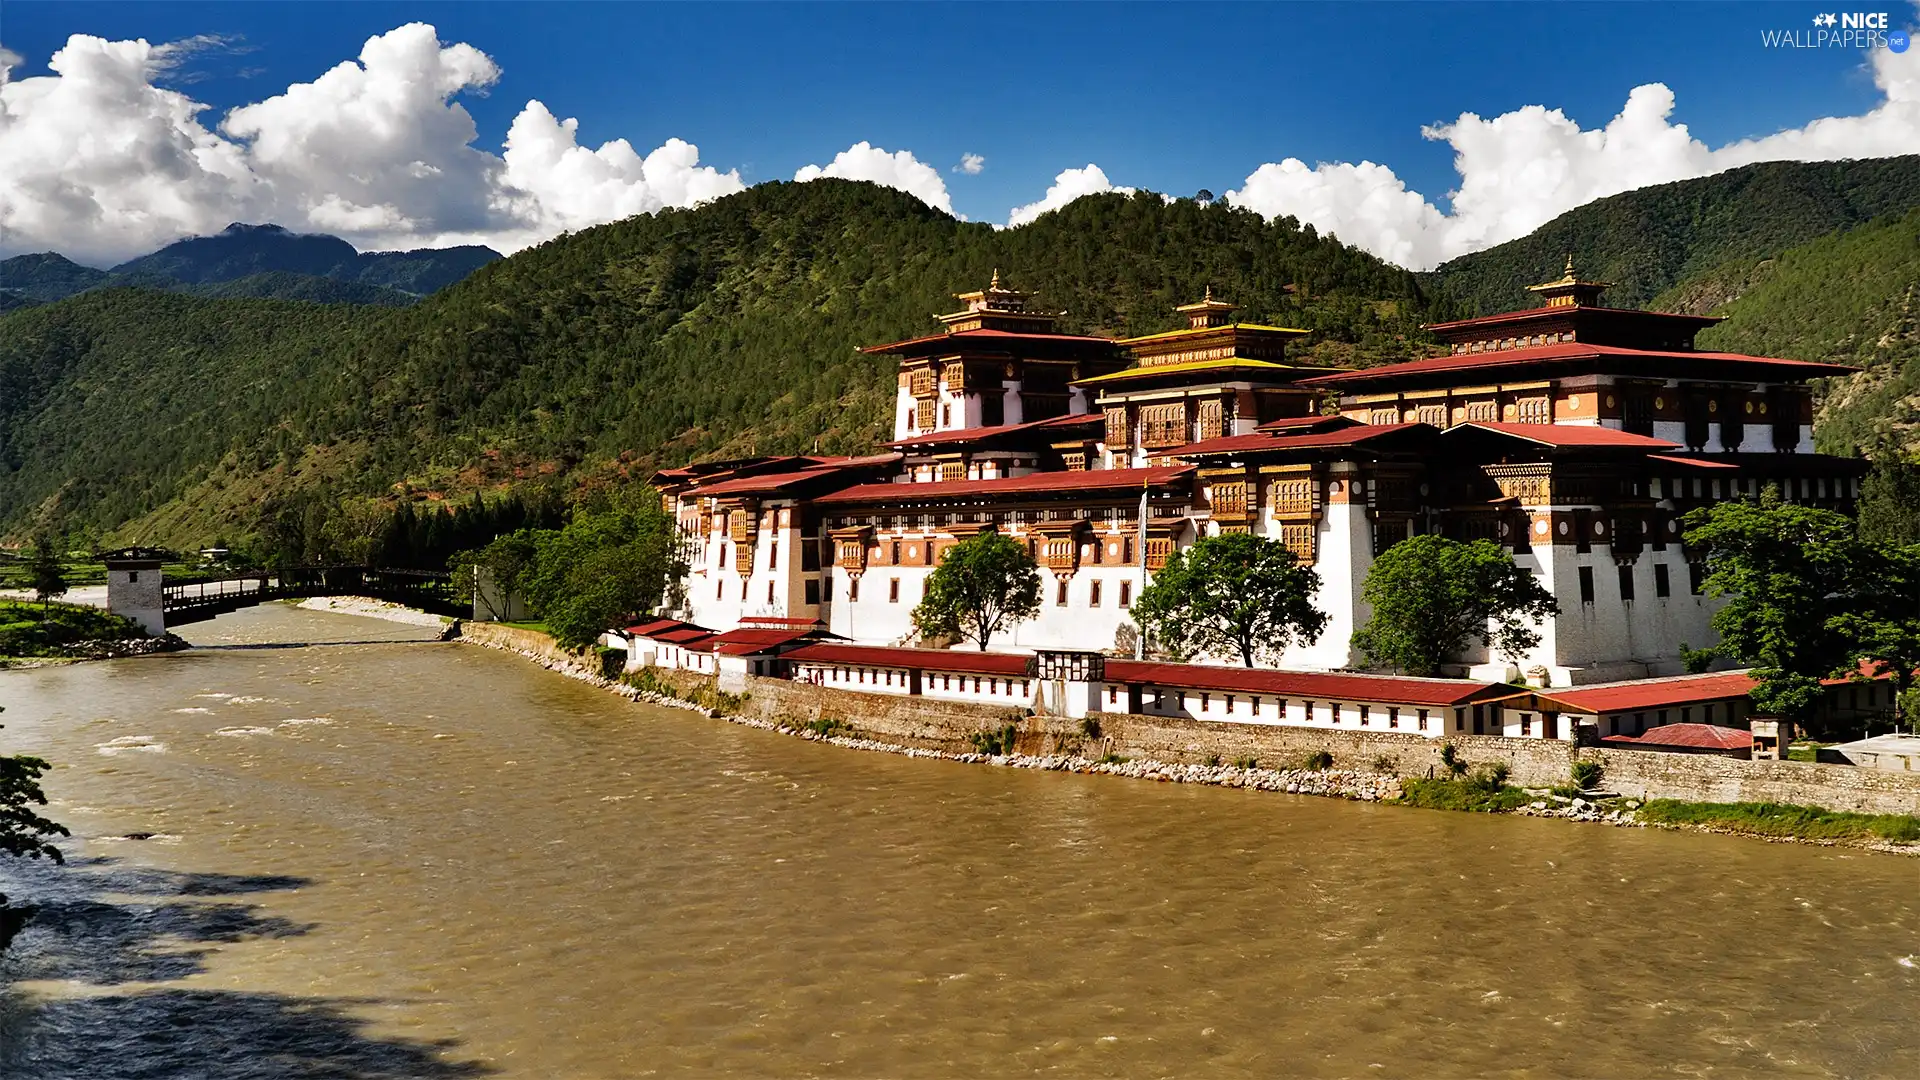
(1819, 20)
(1831, 20)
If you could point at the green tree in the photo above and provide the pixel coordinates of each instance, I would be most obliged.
(44, 570)
(1883, 622)
(1792, 578)
(1432, 596)
(23, 832)
(1235, 595)
(982, 586)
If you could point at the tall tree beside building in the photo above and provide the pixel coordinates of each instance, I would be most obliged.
(982, 586)
(1792, 577)
(1432, 597)
(1234, 595)
(23, 832)
(1884, 625)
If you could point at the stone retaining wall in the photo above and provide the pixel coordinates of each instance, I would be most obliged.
(923, 724)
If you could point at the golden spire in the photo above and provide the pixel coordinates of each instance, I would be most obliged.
(1209, 297)
(996, 279)
(1570, 275)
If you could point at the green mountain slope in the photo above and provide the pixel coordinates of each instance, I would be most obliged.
(1647, 241)
(727, 328)
(1851, 298)
(47, 276)
(242, 251)
(282, 285)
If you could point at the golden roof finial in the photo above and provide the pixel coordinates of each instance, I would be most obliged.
(1570, 266)
(1209, 296)
(996, 278)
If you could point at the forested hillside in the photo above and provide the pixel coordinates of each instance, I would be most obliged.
(1649, 240)
(1850, 298)
(723, 329)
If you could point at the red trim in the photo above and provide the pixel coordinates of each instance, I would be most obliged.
(1530, 314)
(1035, 483)
(1346, 436)
(1387, 689)
(1691, 736)
(970, 434)
(1570, 435)
(1565, 352)
(980, 663)
(1289, 423)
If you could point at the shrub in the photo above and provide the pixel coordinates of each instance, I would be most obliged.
(1111, 758)
(1090, 727)
(1456, 765)
(1461, 795)
(1490, 777)
(828, 726)
(1213, 761)
(612, 661)
(995, 742)
(1385, 764)
(1317, 761)
(1586, 774)
(1246, 761)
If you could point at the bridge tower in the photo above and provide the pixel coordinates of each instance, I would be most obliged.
(133, 587)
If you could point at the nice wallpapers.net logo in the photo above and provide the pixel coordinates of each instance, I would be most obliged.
(1840, 30)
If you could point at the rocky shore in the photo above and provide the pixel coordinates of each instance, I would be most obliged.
(104, 649)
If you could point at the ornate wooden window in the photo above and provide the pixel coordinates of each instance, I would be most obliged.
(953, 470)
(1164, 425)
(1119, 432)
(1535, 410)
(924, 414)
(1159, 550)
(1432, 414)
(1387, 415)
(1076, 461)
(1212, 420)
(1299, 540)
(1483, 412)
(1292, 496)
(921, 384)
(1230, 500)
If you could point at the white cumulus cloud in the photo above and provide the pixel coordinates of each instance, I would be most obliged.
(865, 161)
(971, 164)
(1068, 186)
(101, 163)
(1523, 168)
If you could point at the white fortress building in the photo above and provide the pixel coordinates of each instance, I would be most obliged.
(1574, 434)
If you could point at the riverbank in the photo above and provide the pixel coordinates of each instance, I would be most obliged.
(37, 635)
(1778, 823)
(373, 609)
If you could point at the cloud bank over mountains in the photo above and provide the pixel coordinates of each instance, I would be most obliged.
(100, 161)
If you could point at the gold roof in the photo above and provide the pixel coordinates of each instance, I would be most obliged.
(1262, 366)
(1567, 279)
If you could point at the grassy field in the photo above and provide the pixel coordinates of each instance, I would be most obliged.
(1784, 820)
(1470, 794)
(29, 630)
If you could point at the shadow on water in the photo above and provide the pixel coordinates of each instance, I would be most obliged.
(108, 927)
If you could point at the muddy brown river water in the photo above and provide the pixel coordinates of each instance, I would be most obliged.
(388, 857)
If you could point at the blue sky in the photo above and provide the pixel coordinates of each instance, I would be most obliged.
(1171, 97)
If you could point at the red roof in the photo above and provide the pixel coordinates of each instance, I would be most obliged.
(1343, 436)
(777, 622)
(1390, 689)
(1692, 736)
(971, 434)
(965, 335)
(1034, 483)
(1289, 423)
(1690, 462)
(1571, 435)
(1537, 312)
(1656, 693)
(655, 627)
(925, 659)
(747, 642)
(1563, 353)
(765, 483)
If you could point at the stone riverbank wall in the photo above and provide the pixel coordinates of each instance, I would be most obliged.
(948, 727)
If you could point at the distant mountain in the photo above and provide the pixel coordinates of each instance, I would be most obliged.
(242, 250)
(47, 276)
(1647, 241)
(261, 261)
(13, 301)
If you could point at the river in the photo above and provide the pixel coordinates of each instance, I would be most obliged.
(387, 857)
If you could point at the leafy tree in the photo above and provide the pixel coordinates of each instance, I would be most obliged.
(1890, 499)
(23, 832)
(1235, 595)
(982, 586)
(1883, 622)
(590, 576)
(1791, 576)
(1431, 596)
(44, 569)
